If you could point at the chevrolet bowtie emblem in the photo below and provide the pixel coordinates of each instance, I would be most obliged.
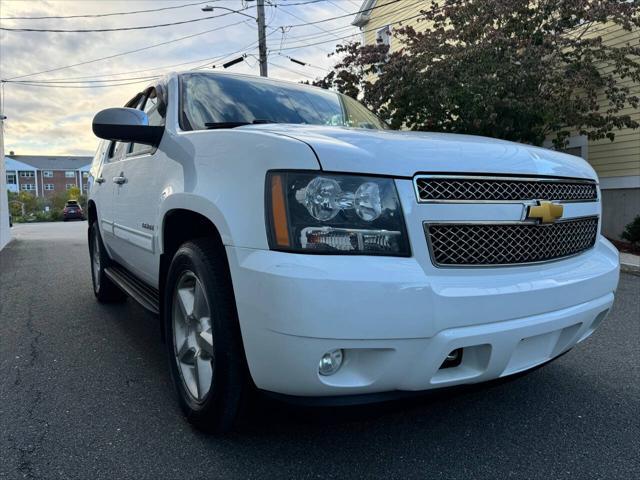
(546, 212)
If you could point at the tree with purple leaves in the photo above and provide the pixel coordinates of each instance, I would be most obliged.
(522, 71)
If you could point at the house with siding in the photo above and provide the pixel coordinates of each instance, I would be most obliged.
(617, 163)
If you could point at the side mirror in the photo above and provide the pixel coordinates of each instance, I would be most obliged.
(126, 125)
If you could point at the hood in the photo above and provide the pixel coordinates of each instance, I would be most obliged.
(403, 154)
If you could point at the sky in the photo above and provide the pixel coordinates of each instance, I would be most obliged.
(51, 120)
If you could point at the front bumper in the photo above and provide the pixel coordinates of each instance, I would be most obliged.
(397, 323)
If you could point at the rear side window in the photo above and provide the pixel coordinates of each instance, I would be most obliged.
(99, 158)
(155, 119)
(116, 151)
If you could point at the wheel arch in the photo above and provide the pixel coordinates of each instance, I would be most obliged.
(92, 216)
(179, 225)
(92, 211)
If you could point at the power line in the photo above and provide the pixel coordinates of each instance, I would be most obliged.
(345, 37)
(347, 27)
(252, 46)
(121, 29)
(97, 15)
(300, 18)
(127, 52)
(337, 6)
(345, 15)
(81, 80)
(298, 3)
(163, 67)
(53, 81)
(35, 84)
(93, 79)
(199, 60)
(291, 70)
(305, 64)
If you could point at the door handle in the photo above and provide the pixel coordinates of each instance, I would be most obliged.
(120, 179)
(99, 180)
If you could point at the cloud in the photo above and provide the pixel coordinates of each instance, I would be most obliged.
(45, 120)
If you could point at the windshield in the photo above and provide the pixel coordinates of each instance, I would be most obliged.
(210, 101)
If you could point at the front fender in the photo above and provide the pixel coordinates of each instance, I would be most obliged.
(197, 204)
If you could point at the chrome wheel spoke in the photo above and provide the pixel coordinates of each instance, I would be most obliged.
(206, 341)
(186, 353)
(185, 302)
(203, 374)
(200, 307)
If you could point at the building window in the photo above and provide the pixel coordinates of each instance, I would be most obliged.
(575, 151)
(576, 145)
(28, 187)
(47, 173)
(11, 179)
(27, 174)
(85, 174)
(70, 186)
(383, 36)
(49, 186)
(69, 174)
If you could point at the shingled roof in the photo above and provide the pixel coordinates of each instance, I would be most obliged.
(54, 162)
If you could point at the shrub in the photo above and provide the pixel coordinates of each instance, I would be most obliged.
(55, 215)
(632, 231)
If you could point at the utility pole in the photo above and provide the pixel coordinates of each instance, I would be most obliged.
(262, 35)
(262, 40)
(5, 232)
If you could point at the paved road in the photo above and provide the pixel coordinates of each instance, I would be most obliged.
(85, 394)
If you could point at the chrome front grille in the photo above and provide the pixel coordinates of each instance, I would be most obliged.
(431, 188)
(486, 244)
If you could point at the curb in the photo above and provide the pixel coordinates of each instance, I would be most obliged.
(630, 268)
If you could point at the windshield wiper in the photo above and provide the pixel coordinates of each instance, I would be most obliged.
(214, 125)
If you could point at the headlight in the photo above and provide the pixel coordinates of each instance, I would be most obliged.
(339, 214)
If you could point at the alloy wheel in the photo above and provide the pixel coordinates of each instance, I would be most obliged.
(96, 260)
(192, 336)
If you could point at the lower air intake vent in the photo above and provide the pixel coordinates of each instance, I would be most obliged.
(475, 244)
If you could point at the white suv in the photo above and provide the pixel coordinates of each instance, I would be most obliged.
(291, 243)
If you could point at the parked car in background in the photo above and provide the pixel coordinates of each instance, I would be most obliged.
(291, 243)
(72, 211)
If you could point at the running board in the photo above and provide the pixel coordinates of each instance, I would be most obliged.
(142, 293)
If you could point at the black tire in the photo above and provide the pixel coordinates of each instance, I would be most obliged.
(103, 288)
(225, 402)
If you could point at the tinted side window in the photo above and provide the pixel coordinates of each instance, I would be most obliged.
(98, 158)
(116, 151)
(155, 119)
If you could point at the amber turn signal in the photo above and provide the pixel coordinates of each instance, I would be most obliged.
(279, 211)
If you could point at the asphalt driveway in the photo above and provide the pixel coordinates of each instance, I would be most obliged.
(85, 393)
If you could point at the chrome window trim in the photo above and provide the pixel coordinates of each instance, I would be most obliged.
(427, 236)
(505, 178)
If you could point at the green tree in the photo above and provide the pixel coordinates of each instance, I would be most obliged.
(15, 205)
(73, 193)
(24, 200)
(516, 70)
(632, 231)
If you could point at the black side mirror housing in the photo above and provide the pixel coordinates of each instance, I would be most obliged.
(126, 125)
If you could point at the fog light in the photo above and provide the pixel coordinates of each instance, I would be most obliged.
(330, 362)
(453, 359)
(453, 356)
